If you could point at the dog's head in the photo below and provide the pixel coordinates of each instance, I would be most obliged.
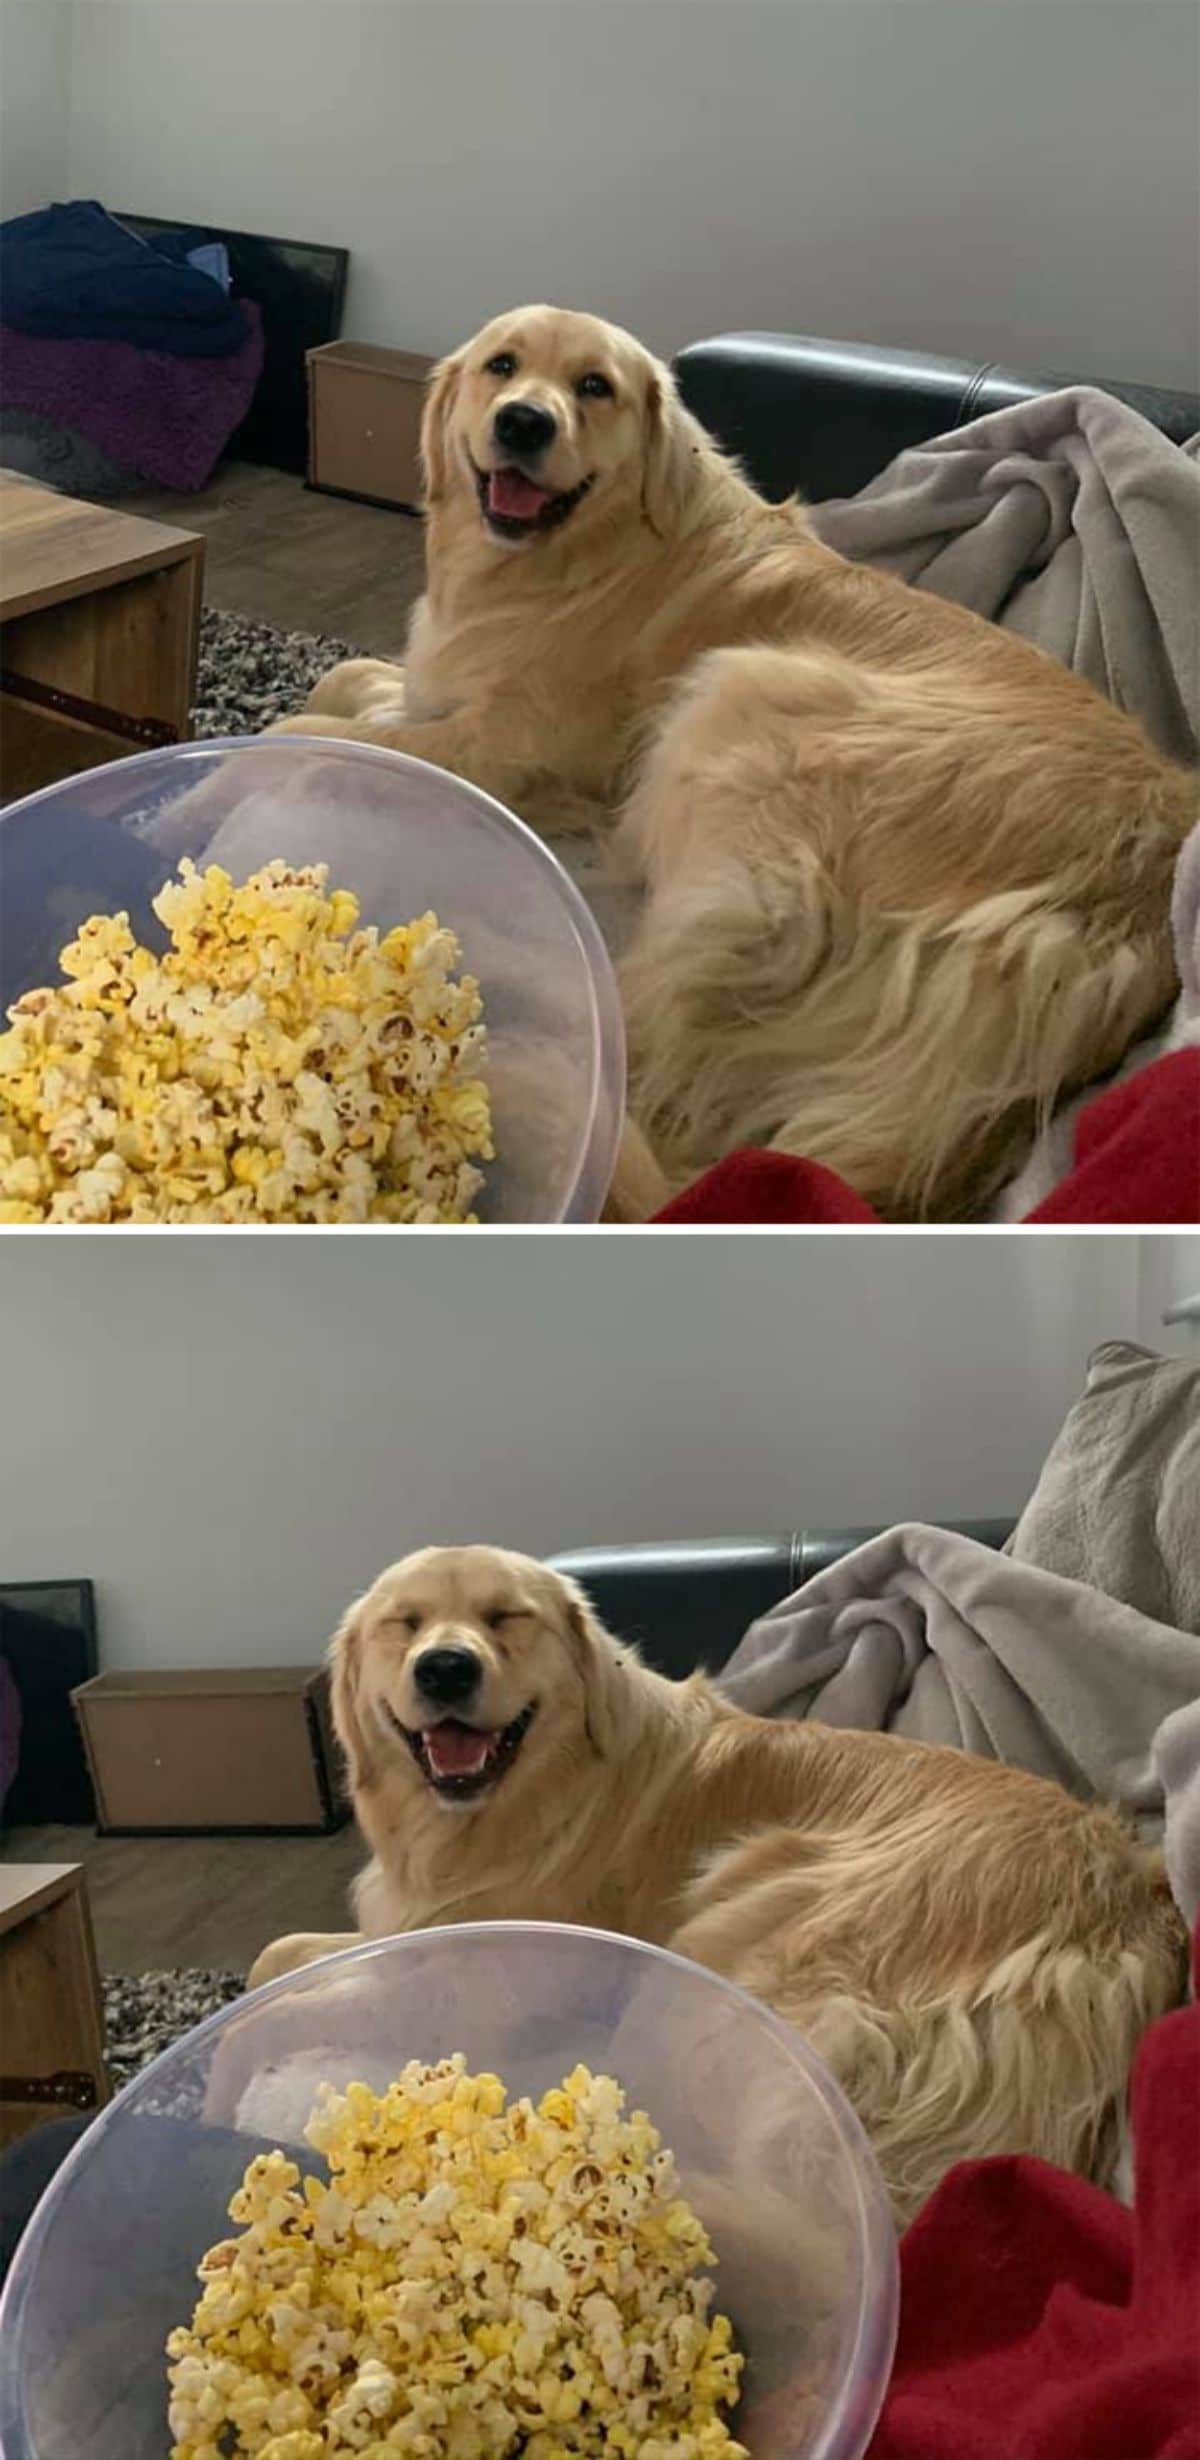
(549, 419)
(465, 1669)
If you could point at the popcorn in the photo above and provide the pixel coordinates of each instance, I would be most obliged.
(277, 1064)
(477, 2279)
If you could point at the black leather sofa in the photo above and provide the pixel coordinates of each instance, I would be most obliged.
(824, 417)
(687, 1605)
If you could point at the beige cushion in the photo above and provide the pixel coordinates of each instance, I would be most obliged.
(1118, 1501)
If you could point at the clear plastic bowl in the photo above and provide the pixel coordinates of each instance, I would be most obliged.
(769, 2154)
(405, 837)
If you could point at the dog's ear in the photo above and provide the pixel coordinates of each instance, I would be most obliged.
(673, 443)
(602, 1670)
(345, 1661)
(435, 427)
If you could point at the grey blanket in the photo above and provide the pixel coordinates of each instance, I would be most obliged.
(1185, 922)
(924, 1633)
(1069, 519)
(1118, 1500)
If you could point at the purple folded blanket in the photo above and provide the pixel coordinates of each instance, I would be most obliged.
(166, 417)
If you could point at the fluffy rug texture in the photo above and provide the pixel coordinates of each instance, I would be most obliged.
(250, 673)
(145, 2012)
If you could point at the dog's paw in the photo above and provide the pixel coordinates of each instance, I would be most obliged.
(299, 1948)
(356, 687)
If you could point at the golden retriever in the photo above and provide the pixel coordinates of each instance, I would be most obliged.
(972, 1951)
(906, 879)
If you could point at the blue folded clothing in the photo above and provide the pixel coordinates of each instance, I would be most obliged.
(211, 257)
(73, 273)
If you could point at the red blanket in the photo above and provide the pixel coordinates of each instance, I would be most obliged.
(1137, 1158)
(1039, 2320)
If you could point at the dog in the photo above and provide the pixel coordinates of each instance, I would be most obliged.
(906, 880)
(973, 1952)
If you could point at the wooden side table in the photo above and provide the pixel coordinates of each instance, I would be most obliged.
(99, 634)
(51, 2012)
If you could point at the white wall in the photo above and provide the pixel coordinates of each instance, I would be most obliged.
(232, 1435)
(34, 67)
(1008, 179)
(1169, 1271)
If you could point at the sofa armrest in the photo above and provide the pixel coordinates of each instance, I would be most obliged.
(688, 1604)
(824, 417)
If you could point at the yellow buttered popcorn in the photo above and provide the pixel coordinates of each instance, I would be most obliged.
(276, 1064)
(475, 2279)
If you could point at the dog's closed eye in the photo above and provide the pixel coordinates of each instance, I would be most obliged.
(503, 1614)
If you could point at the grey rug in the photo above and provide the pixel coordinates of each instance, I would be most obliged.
(250, 673)
(145, 2012)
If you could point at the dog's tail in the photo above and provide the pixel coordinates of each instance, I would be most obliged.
(920, 1066)
(1036, 2060)
(932, 1063)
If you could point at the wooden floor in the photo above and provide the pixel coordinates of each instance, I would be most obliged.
(162, 1902)
(307, 562)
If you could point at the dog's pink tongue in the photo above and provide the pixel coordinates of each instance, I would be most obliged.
(455, 1751)
(514, 496)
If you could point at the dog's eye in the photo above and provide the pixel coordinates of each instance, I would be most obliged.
(504, 1614)
(503, 364)
(408, 1622)
(594, 387)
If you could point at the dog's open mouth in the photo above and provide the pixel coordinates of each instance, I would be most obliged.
(514, 506)
(461, 1761)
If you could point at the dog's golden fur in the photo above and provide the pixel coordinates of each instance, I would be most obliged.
(907, 879)
(973, 1952)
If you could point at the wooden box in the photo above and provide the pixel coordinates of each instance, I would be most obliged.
(364, 422)
(51, 2012)
(244, 1749)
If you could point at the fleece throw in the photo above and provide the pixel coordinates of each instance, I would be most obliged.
(928, 1634)
(1185, 922)
(1069, 519)
(1177, 1763)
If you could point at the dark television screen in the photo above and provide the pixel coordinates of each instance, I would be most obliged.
(300, 290)
(48, 1636)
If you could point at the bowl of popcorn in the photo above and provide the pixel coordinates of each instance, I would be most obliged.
(285, 980)
(499, 2191)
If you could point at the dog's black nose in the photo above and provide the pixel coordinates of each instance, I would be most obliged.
(521, 427)
(448, 1677)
